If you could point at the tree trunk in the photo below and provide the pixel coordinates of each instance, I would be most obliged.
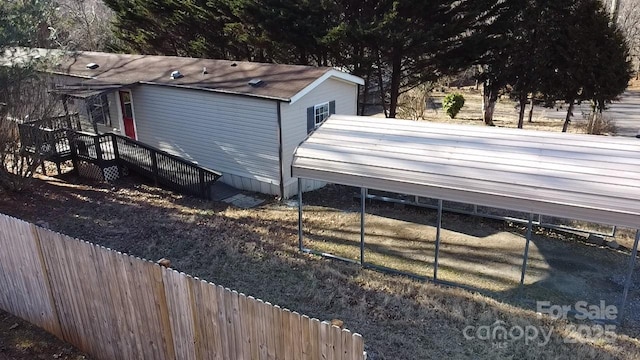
(523, 107)
(396, 74)
(531, 110)
(488, 105)
(381, 85)
(365, 94)
(567, 119)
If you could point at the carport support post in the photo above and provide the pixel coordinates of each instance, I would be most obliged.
(526, 252)
(438, 226)
(363, 199)
(300, 214)
(627, 284)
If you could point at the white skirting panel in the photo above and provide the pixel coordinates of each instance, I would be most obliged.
(291, 189)
(245, 183)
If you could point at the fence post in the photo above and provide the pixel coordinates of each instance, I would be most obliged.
(96, 145)
(154, 166)
(203, 188)
(116, 153)
(74, 151)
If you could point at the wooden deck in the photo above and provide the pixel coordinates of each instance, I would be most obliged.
(60, 143)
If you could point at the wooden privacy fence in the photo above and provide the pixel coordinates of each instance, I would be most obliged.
(114, 306)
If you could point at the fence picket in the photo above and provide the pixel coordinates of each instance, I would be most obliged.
(254, 326)
(314, 331)
(222, 320)
(296, 331)
(287, 342)
(263, 334)
(132, 319)
(178, 300)
(245, 322)
(325, 341)
(357, 350)
(278, 313)
(336, 341)
(305, 331)
(271, 327)
(347, 347)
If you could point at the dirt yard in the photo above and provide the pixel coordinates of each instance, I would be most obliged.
(20, 340)
(255, 251)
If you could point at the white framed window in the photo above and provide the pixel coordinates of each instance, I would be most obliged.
(320, 113)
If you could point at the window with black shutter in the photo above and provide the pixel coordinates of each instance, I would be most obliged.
(317, 114)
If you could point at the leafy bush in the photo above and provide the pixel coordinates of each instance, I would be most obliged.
(452, 104)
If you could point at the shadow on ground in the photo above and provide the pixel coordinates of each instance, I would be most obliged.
(255, 252)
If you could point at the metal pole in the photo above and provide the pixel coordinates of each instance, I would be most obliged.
(363, 198)
(438, 226)
(526, 252)
(632, 265)
(300, 214)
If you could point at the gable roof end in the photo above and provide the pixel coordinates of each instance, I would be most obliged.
(329, 74)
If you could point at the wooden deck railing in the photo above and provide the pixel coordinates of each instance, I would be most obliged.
(163, 168)
(68, 122)
(48, 137)
(51, 144)
(60, 138)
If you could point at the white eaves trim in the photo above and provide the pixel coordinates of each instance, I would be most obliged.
(329, 74)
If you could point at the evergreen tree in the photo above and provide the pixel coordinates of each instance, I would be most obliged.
(563, 50)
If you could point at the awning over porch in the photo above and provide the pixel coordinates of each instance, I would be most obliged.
(86, 90)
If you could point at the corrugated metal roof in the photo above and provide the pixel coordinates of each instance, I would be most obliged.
(584, 177)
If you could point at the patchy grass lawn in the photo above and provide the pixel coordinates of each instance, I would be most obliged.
(255, 251)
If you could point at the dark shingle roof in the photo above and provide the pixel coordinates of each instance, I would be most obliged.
(278, 81)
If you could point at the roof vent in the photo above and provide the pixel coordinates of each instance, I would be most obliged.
(176, 75)
(92, 66)
(256, 82)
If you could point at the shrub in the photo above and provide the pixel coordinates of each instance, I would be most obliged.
(452, 104)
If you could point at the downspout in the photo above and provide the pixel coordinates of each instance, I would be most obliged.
(280, 151)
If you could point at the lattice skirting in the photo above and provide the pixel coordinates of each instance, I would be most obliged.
(89, 170)
(111, 173)
(93, 171)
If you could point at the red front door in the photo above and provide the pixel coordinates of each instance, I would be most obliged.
(127, 114)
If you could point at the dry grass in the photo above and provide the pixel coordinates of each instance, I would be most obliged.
(506, 113)
(254, 251)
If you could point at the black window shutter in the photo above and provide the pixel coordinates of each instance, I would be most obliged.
(332, 107)
(311, 123)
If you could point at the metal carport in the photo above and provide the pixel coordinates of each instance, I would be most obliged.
(582, 177)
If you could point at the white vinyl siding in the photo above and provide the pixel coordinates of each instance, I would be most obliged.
(294, 121)
(235, 135)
